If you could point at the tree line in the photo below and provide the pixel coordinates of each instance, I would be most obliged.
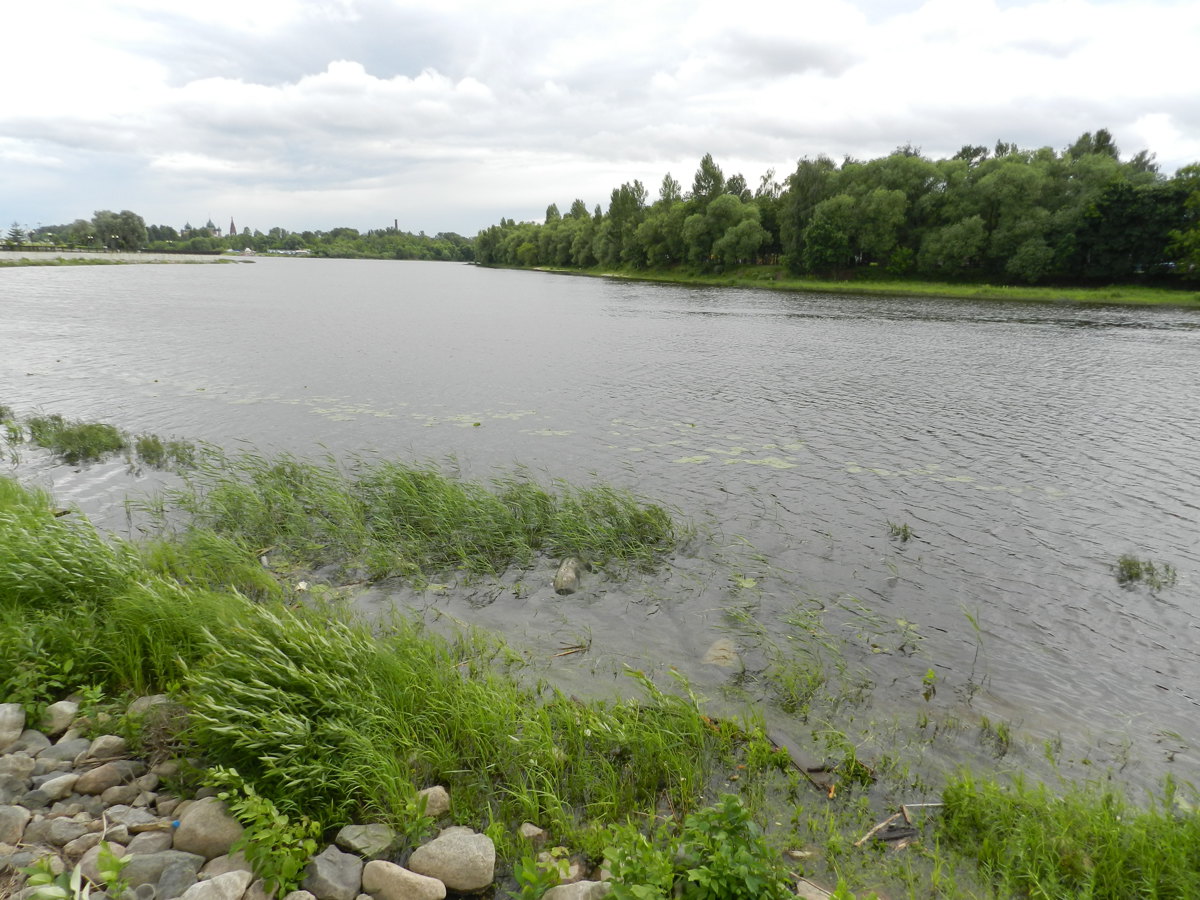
(127, 231)
(1001, 214)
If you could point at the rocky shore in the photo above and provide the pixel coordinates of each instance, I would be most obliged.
(66, 798)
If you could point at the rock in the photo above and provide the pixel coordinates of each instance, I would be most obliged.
(63, 831)
(150, 842)
(50, 766)
(89, 865)
(568, 576)
(174, 881)
(31, 742)
(12, 724)
(110, 774)
(107, 747)
(530, 832)
(131, 817)
(17, 766)
(388, 881)
(235, 862)
(580, 890)
(148, 868)
(371, 841)
(143, 705)
(56, 787)
(35, 799)
(723, 653)
(258, 891)
(13, 820)
(334, 875)
(12, 788)
(299, 895)
(229, 886)
(120, 794)
(81, 845)
(148, 782)
(58, 717)
(165, 804)
(459, 858)
(207, 829)
(66, 748)
(437, 801)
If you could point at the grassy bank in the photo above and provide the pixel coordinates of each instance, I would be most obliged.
(777, 278)
(285, 693)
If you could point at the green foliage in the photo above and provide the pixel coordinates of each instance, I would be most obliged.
(159, 454)
(718, 854)
(900, 531)
(277, 846)
(1087, 842)
(46, 885)
(536, 876)
(75, 442)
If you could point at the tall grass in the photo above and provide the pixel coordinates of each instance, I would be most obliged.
(1087, 843)
(386, 519)
(75, 442)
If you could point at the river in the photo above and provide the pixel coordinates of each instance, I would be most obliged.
(1025, 447)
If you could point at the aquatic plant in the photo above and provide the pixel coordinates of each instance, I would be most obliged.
(74, 441)
(1131, 570)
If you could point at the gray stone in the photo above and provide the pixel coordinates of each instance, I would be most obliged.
(569, 575)
(143, 705)
(150, 842)
(371, 841)
(165, 804)
(44, 767)
(105, 748)
(334, 875)
(175, 880)
(18, 766)
(12, 788)
(65, 749)
(530, 832)
(58, 786)
(229, 886)
(120, 794)
(168, 768)
(13, 820)
(12, 724)
(31, 742)
(299, 895)
(258, 891)
(63, 831)
(131, 817)
(148, 782)
(110, 774)
(82, 844)
(35, 799)
(235, 862)
(207, 828)
(148, 868)
(580, 890)
(58, 717)
(144, 799)
(459, 858)
(388, 881)
(437, 801)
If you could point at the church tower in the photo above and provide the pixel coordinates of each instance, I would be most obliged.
(232, 228)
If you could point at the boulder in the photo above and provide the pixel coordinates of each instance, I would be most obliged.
(437, 801)
(66, 749)
(121, 795)
(334, 875)
(17, 766)
(234, 862)
(63, 831)
(229, 886)
(370, 841)
(58, 786)
(569, 575)
(107, 747)
(150, 842)
(58, 717)
(207, 829)
(143, 705)
(13, 820)
(148, 868)
(174, 881)
(89, 864)
(530, 832)
(580, 890)
(81, 845)
(12, 788)
(388, 881)
(12, 724)
(108, 775)
(299, 895)
(459, 858)
(31, 742)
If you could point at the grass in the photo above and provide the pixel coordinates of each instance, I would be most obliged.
(75, 442)
(390, 519)
(777, 278)
(59, 261)
(1131, 570)
(1086, 843)
(330, 720)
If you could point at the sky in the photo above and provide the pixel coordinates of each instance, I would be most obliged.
(448, 115)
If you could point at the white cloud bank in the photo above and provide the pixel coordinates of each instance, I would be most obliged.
(314, 114)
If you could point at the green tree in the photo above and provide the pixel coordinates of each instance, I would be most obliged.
(813, 181)
(16, 234)
(953, 250)
(119, 231)
(708, 183)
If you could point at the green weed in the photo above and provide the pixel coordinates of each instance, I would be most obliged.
(900, 531)
(75, 442)
(1131, 570)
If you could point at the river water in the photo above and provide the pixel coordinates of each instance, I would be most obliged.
(1026, 447)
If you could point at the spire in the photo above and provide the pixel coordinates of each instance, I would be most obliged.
(232, 227)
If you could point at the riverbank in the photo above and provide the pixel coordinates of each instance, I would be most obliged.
(240, 612)
(777, 278)
(19, 259)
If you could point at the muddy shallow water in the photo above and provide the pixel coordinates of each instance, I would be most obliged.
(1025, 447)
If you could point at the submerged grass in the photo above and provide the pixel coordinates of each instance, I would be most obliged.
(389, 519)
(75, 442)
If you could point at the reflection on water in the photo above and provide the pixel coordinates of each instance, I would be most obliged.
(1026, 446)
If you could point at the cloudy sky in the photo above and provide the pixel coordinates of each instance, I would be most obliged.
(448, 115)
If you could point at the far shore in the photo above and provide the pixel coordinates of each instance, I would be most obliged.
(86, 257)
(776, 278)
